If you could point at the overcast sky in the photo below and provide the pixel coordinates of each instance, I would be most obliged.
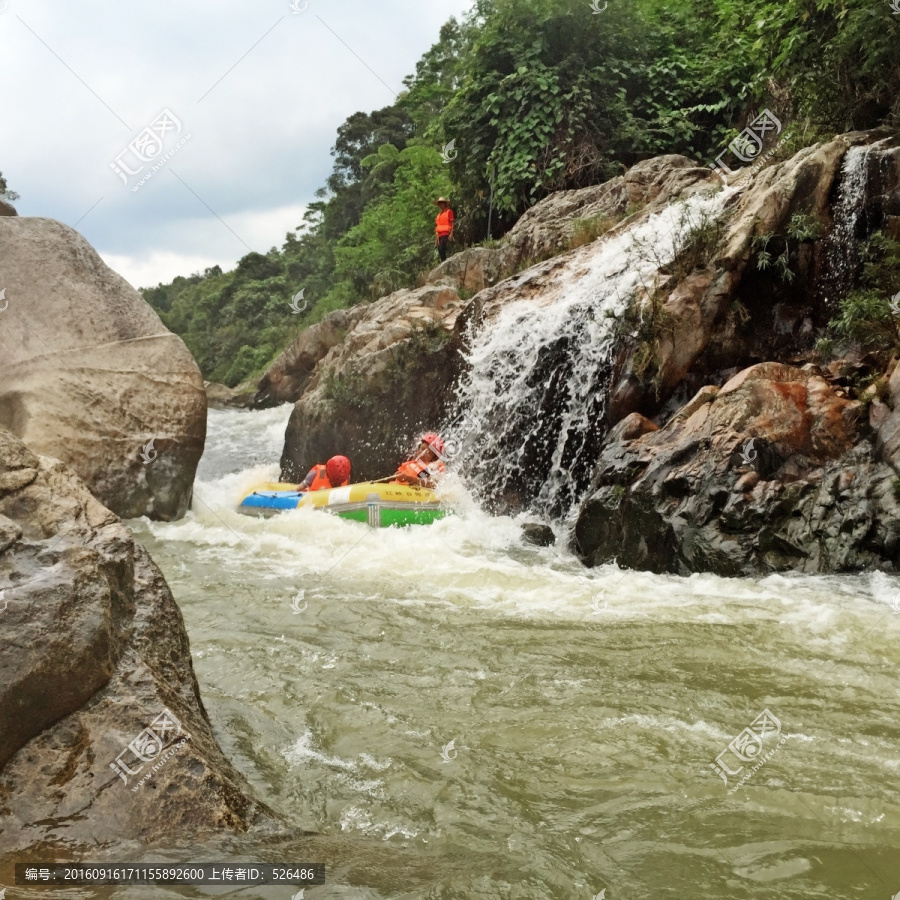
(254, 91)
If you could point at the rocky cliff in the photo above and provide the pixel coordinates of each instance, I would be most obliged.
(89, 374)
(103, 736)
(369, 380)
(770, 467)
(366, 380)
(775, 471)
(615, 356)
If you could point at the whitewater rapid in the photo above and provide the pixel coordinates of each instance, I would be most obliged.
(459, 714)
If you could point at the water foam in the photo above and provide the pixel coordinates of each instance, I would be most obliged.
(842, 245)
(539, 373)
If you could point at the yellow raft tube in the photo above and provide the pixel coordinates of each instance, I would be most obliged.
(377, 503)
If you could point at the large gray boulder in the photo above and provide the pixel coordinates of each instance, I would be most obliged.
(94, 653)
(89, 374)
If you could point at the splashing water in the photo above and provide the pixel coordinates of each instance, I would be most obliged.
(843, 243)
(539, 373)
(584, 706)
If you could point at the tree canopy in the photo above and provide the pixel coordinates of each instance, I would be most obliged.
(536, 96)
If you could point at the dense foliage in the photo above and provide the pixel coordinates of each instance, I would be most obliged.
(868, 315)
(537, 96)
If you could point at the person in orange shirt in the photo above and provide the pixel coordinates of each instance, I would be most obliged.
(426, 466)
(335, 473)
(443, 226)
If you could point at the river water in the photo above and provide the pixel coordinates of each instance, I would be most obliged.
(460, 715)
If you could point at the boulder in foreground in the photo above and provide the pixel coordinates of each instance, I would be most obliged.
(103, 736)
(90, 375)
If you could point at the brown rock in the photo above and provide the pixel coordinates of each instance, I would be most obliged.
(705, 395)
(373, 391)
(631, 428)
(99, 653)
(694, 506)
(89, 374)
(473, 269)
(746, 482)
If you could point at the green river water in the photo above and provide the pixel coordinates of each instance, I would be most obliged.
(584, 707)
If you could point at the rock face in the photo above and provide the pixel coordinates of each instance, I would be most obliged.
(220, 396)
(661, 381)
(727, 313)
(702, 316)
(287, 378)
(775, 471)
(89, 374)
(95, 653)
(551, 226)
(372, 390)
(367, 380)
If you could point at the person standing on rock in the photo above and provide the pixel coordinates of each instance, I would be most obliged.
(443, 226)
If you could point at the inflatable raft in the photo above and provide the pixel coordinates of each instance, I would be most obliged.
(374, 502)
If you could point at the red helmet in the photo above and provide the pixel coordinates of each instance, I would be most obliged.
(435, 442)
(338, 470)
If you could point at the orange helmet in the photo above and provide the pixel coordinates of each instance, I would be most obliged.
(338, 470)
(435, 442)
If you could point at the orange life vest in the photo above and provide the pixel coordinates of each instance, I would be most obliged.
(415, 467)
(320, 482)
(444, 222)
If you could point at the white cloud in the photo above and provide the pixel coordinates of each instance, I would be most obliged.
(154, 268)
(267, 228)
(90, 75)
(260, 229)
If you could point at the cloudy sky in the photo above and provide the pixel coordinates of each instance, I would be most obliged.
(254, 92)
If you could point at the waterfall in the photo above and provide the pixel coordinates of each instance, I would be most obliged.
(843, 243)
(532, 404)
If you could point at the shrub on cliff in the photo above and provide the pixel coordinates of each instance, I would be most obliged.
(5, 192)
(868, 316)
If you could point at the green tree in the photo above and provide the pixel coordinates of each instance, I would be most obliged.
(394, 240)
(537, 96)
(5, 192)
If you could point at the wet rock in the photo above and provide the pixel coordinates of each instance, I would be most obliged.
(631, 428)
(376, 390)
(538, 534)
(774, 473)
(89, 374)
(220, 396)
(98, 653)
